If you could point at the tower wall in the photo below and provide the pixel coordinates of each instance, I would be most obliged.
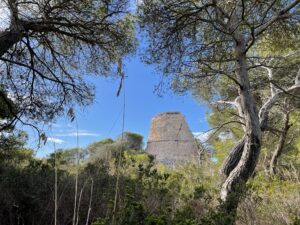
(170, 139)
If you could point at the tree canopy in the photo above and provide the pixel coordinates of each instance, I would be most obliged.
(207, 44)
(47, 46)
(241, 57)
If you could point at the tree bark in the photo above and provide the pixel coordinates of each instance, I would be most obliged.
(233, 158)
(235, 155)
(251, 150)
(280, 146)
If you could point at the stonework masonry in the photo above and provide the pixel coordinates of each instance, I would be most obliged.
(170, 139)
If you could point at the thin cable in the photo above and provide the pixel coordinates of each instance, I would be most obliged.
(114, 123)
(76, 178)
(120, 154)
(55, 185)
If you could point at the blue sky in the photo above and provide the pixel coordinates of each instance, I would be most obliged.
(103, 118)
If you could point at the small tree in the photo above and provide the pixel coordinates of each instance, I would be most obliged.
(131, 140)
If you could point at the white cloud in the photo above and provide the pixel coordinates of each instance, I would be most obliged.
(55, 140)
(80, 134)
(225, 135)
(202, 136)
(56, 125)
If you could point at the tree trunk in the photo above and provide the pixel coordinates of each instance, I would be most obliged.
(246, 165)
(233, 158)
(280, 146)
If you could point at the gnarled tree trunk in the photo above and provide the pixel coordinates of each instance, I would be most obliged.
(233, 158)
(235, 155)
(251, 143)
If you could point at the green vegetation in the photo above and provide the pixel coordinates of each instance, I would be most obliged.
(240, 57)
(149, 193)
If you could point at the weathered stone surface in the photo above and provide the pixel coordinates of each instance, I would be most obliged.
(170, 139)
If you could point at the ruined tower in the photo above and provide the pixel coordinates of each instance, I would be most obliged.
(170, 139)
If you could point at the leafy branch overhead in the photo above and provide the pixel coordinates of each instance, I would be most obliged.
(47, 46)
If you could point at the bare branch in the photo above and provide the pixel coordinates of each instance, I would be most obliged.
(270, 75)
(265, 109)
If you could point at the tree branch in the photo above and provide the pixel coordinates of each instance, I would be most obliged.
(281, 14)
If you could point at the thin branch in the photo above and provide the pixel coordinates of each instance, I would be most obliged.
(270, 75)
(282, 13)
(218, 128)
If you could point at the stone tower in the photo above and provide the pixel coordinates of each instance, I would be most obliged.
(170, 139)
